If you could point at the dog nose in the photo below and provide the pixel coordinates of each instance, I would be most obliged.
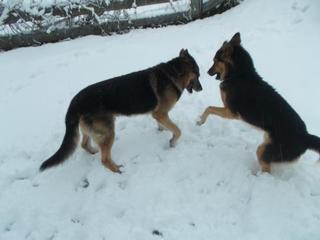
(198, 86)
(210, 72)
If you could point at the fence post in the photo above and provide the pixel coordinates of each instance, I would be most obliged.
(196, 9)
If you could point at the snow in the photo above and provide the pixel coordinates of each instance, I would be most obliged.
(209, 186)
(153, 10)
(54, 22)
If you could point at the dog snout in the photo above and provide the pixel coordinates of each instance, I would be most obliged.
(198, 86)
(211, 71)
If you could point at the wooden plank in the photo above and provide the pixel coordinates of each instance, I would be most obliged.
(151, 2)
(79, 9)
(196, 8)
(212, 7)
(211, 4)
(41, 37)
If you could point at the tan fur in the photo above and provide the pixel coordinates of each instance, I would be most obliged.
(103, 135)
(226, 113)
(151, 91)
(105, 143)
(166, 103)
(223, 96)
(187, 78)
(163, 118)
(220, 67)
(85, 143)
(223, 112)
(265, 167)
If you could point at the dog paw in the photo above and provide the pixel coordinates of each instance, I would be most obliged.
(161, 129)
(93, 151)
(173, 142)
(113, 167)
(118, 170)
(200, 121)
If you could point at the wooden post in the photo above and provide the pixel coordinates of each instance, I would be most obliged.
(196, 8)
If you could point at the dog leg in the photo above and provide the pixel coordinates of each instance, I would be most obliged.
(161, 127)
(86, 129)
(265, 166)
(219, 111)
(103, 134)
(85, 144)
(105, 147)
(164, 119)
(204, 116)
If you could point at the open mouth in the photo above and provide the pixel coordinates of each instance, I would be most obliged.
(218, 77)
(189, 88)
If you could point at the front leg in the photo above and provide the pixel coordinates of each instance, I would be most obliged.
(219, 111)
(163, 119)
(161, 127)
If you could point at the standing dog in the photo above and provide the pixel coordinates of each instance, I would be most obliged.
(247, 97)
(154, 90)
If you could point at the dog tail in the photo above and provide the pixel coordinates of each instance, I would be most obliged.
(69, 143)
(313, 142)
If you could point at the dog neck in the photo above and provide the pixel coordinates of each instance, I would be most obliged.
(172, 79)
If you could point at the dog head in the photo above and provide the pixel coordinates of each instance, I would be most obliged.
(191, 79)
(223, 61)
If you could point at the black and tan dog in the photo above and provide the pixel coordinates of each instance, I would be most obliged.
(154, 90)
(247, 97)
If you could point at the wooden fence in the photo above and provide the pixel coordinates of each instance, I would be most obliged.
(19, 27)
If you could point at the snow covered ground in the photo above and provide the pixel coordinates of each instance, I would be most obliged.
(209, 186)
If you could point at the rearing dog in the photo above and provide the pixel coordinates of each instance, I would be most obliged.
(247, 97)
(154, 90)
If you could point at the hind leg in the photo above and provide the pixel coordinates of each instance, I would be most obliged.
(103, 135)
(161, 127)
(105, 145)
(278, 152)
(85, 143)
(265, 163)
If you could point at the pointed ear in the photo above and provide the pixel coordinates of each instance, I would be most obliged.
(183, 53)
(236, 39)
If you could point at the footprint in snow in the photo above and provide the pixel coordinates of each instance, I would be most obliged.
(9, 227)
(295, 6)
(84, 183)
(157, 233)
(123, 185)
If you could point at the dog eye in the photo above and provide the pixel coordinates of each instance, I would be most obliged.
(219, 59)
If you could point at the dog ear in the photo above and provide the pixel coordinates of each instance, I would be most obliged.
(236, 39)
(183, 53)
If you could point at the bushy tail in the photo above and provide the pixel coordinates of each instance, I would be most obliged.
(69, 143)
(313, 142)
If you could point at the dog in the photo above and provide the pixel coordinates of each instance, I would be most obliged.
(246, 96)
(154, 90)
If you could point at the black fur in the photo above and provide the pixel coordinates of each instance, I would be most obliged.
(69, 142)
(128, 94)
(260, 105)
(133, 93)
